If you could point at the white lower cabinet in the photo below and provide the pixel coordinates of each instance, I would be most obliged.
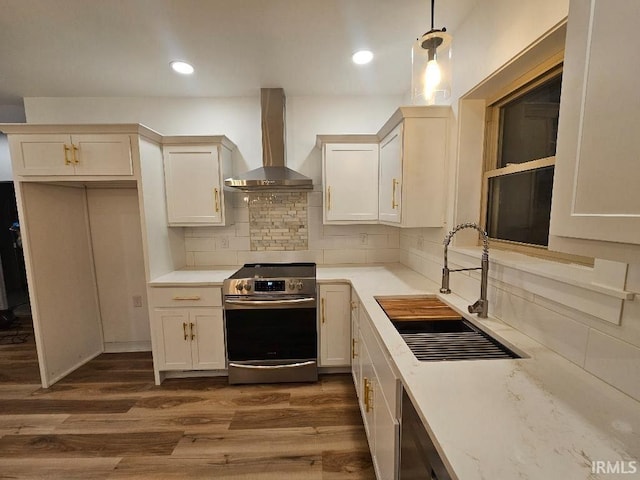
(188, 329)
(190, 339)
(378, 389)
(335, 325)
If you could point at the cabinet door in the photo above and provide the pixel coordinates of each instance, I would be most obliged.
(596, 199)
(390, 187)
(350, 174)
(355, 343)
(102, 154)
(206, 332)
(387, 433)
(193, 185)
(335, 325)
(366, 400)
(173, 339)
(62, 154)
(43, 154)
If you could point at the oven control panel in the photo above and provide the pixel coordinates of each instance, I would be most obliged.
(256, 286)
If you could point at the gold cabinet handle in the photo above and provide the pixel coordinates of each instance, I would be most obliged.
(67, 148)
(368, 400)
(184, 330)
(74, 149)
(322, 310)
(367, 395)
(329, 198)
(187, 297)
(354, 305)
(393, 194)
(216, 196)
(193, 335)
(353, 348)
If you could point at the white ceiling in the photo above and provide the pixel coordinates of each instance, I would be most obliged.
(123, 47)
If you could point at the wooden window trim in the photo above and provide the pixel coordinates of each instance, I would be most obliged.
(526, 83)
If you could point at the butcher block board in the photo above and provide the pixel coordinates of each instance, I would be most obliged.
(413, 307)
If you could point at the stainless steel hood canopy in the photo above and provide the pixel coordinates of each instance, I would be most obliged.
(273, 175)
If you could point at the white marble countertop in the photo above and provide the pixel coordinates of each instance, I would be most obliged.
(540, 417)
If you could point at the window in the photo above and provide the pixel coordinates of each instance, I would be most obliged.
(520, 148)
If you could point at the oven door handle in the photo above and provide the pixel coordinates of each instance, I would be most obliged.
(273, 367)
(273, 303)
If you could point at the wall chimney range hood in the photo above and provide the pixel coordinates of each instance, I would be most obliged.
(273, 175)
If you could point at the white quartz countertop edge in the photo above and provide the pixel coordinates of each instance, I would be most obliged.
(540, 417)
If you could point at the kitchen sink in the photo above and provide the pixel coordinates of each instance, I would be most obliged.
(435, 332)
(438, 340)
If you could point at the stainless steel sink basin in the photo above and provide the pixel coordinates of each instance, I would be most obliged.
(439, 340)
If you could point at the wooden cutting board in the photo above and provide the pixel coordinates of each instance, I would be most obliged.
(416, 308)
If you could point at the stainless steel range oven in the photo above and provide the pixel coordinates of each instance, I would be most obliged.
(270, 322)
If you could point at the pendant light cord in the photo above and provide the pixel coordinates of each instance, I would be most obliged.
(433, 9)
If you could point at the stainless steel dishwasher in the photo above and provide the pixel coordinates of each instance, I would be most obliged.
(419, 459)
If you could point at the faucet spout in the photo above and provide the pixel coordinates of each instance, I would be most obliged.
(481, 307)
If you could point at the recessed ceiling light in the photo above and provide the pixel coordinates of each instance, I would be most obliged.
(362, 57)
(182, 67)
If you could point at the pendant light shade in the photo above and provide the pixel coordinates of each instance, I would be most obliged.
(431, 66)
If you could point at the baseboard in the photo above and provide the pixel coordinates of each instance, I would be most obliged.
(121, 347)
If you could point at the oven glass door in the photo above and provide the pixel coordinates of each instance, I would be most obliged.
(271, 334)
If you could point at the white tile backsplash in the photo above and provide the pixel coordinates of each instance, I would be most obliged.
(327, 244)
(614, 360)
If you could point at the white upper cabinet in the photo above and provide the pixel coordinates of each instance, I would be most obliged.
(194, 178)
(77, 154)
(350, 180)
(413, 159)
(596, 199)
(390, 186)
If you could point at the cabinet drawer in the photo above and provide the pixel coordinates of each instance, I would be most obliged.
(186, 296)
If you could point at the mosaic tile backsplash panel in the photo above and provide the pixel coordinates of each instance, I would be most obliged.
(278, 221)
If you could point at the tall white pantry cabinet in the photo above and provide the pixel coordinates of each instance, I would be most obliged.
(91, 204)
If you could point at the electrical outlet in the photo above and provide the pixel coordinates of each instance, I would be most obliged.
(224, 242)
(420, 242)
(364, 239)
(137, 300)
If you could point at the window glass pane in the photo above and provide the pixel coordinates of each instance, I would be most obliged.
(529, 125)
(520, 205)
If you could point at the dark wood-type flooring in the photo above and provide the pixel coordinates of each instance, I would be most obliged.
(108, 420)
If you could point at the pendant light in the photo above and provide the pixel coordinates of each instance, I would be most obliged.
(431, 66)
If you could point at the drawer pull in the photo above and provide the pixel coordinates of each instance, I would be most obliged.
(74, 150)
(393, 194)
(184, 330)
(216, 196)
(193, 335)
(322, 310)
(353, 348)
(67, 148)
(187, 297)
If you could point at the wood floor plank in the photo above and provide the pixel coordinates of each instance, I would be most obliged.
(89, 445)
(57, 468)
(295, 417)
(301, 440)
(229, 467)
(341, 465)
(30, 424)
(204, 422)
(40, 406)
